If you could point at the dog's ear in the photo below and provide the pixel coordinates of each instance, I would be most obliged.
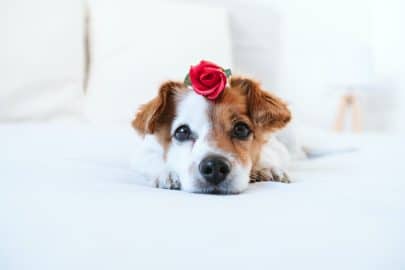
(265, 109)
(159, 111)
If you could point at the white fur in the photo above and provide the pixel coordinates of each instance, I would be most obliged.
(148, 162)
(183, 158)
(274, 157)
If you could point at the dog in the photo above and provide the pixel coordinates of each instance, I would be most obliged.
(219, 147)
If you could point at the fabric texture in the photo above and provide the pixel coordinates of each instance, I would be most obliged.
(42, 59)
(72, 202)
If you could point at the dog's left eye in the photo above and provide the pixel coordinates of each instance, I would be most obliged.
(241, 131)
(182, 133)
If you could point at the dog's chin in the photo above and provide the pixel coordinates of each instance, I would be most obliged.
(216, 191)
(221, 189)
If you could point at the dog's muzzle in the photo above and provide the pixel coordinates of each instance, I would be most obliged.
(214, 169)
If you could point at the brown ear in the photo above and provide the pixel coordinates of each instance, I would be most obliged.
(159, 111)
(265, 109)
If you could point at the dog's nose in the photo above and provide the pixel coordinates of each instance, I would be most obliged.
(214, 169)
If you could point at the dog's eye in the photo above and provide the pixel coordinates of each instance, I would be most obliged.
(241, 131)
(182, 133)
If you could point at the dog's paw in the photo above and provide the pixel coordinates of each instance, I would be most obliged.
(169, 181)
(279, 175)
(274, 175)
(174, 181)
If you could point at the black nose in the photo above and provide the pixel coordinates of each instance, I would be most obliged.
(214, 169)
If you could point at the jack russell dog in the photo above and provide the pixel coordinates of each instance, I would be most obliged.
(212, 134)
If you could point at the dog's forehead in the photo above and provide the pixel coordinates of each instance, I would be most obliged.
(200, 113)
(192, 109)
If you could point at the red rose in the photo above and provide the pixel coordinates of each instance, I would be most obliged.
(207, 79)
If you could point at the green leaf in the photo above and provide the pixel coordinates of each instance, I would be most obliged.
(228, 72)
(187, 80)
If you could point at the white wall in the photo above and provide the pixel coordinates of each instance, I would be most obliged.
(324, 45)
(388, 42)
(304, 49)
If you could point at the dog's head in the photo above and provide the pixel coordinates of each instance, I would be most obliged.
(212, 146)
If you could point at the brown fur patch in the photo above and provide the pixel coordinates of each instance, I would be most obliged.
(246, 102)
(156, 116)
(229, 109)
(266, 110)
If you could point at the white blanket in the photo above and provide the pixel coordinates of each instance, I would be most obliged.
(68, 200)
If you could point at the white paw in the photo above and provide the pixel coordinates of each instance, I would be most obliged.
(168, 181)
(279, 175)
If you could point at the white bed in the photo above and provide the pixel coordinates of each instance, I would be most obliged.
(68, 200)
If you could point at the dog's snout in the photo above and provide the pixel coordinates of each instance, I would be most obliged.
(214, 169)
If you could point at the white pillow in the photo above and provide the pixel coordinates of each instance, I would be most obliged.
(42, 59)
(135, 47)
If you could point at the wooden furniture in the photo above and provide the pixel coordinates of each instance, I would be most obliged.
(349, 108)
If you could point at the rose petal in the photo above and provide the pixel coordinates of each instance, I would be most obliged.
(194, 79)
(216, 71)
(219, 89)
(207, 76)
(215, 93)
(208, 64)
(213, 69)
(204, 92)
(210, 79)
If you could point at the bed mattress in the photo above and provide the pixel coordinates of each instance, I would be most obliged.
(69, 200)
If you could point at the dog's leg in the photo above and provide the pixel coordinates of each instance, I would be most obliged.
(273, 163)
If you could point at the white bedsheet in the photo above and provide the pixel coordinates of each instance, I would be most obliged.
(68, 201)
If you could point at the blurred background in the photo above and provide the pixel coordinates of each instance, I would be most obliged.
(339, 64)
